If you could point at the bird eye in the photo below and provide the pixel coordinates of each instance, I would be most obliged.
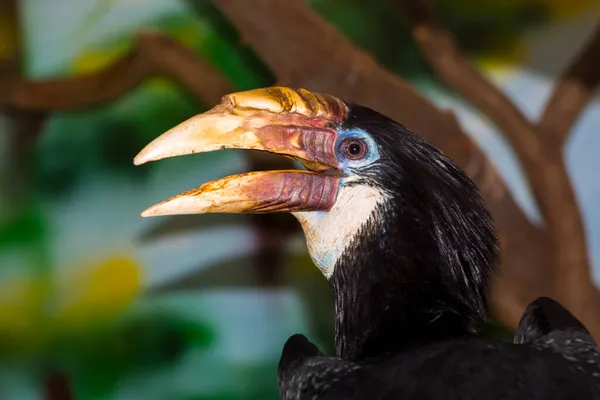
(354, 149)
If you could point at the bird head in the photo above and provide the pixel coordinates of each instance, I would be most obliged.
(377, 203)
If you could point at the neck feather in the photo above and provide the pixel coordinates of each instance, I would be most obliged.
(392, 289)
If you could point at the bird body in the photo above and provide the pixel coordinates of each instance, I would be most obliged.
(401, 234)
(462, 368)
(548, 326)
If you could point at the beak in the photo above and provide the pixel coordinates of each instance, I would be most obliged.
(294, 123)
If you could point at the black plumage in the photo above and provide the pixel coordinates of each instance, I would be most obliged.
(547, 325)
(408, 289)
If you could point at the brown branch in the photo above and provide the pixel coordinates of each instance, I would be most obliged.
(153, 55)
(542, 160)
(303, 50)
(573, 91)
(23, 127)
(86, 91)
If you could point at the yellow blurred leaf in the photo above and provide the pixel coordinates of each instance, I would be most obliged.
(93, 61)
(22, 302)
(513, 54)
(565, 9)
(97, 294)
(8, 35)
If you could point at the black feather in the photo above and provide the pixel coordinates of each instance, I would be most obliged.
(547, 325)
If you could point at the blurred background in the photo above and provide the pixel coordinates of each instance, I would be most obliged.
(98, 303)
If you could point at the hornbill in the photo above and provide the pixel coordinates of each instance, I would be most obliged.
(399, 231)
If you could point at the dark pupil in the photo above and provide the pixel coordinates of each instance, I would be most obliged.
(354, 148)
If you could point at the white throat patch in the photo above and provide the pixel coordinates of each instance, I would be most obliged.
(329, 232)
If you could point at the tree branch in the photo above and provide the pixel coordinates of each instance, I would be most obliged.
(303, 50)
(572, 91)
(154, 55)
(61, 94)
(22, 127)
(542, 160)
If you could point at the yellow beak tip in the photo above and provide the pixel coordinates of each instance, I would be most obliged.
(149, 212)
(140, 159)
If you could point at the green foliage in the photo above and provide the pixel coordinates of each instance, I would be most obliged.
(96, 361)
(482, 29)
(26, 234)
(106, 139)
(26, 228)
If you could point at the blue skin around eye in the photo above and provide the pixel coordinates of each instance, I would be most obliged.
(372, 153)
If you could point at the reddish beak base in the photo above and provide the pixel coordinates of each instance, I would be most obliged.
(255, 193)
